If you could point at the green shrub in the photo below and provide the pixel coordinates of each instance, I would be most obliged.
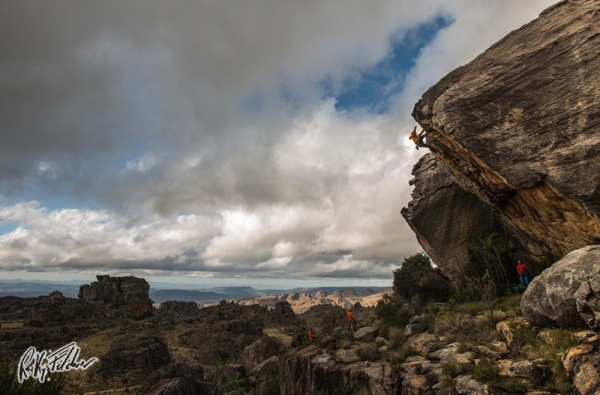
(418, 278)
(9, 384)
(368, 352)
(392, 313)
(490, 256)
(510, 385)
(397, 338)
(450, 369)
(523, 336)
(229, 386)
(486, 371)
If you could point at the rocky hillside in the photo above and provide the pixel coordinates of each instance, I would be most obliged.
(301, 302)
(516, 137)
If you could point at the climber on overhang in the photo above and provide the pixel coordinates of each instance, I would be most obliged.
(419, 139)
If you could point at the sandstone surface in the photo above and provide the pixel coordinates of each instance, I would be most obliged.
(519, 129)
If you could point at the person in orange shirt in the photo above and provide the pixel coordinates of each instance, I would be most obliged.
(310, 334)
(419, 139)
(350, 318)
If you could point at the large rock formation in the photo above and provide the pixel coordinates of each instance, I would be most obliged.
(519, 129)
(308, 371)
(566, 294)
(130, 292)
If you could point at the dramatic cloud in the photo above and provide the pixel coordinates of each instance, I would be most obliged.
(204, 138)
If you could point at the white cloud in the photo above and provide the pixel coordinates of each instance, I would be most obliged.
(234, 163)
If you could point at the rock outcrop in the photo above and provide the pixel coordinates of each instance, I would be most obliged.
(176, 379)
(221, 332)
(308, 370)
(129, 292)
(519, 129)
(134, 356)
(566, 294)
(178, 309)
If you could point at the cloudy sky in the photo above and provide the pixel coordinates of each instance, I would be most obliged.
(255, 142)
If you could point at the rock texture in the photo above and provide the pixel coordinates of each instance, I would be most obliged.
(135, 356)
(444, 216)
(129, 292)
(519, 128)
(308, 371)
(176, 379)
(566, 294)
(582, 362)
(221, 332)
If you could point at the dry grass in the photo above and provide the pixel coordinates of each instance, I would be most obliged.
(12, 325)
(126, 390)
(278, 335)
(179, 352)
(95, 345)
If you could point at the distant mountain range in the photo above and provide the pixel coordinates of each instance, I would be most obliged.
(164, 292)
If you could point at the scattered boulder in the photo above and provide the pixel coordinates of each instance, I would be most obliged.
(523, 368)
(506, 328)
(416, 325)
(423, 343)
(346, 356)
(419, 365)
(582, 363)
(367, 333)
(467, 386)
(452, 355)
(416, 385)
(564, 295)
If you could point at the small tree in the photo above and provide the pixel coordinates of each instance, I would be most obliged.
(418, 278)
(489, 255)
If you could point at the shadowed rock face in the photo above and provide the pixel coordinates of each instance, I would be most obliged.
(444, 216)
(128, 291)
(519, 128)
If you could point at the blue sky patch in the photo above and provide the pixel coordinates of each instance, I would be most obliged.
(374, 88)
(7, 227)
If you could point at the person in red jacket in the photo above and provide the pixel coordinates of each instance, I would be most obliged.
(522, 270)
